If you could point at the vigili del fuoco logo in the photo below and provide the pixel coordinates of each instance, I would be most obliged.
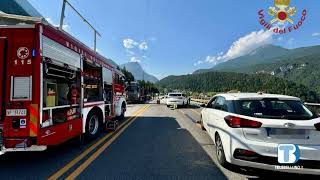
(282, 18)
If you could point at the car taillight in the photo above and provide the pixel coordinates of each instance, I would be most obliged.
(237, 122)
(317, 126)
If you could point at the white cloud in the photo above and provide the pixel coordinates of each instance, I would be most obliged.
(211, 59)
(242, 46)
(248, 43)
(65, 27)
(130, 43)
(135, 50)
(134, 59)
(143, 46)
(316, 34)
(198, 63)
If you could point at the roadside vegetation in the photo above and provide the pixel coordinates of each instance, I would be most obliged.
(226, 81)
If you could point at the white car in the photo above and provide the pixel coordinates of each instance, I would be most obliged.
(248, 128)
(177, 98)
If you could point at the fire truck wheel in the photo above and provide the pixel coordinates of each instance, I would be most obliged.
(93, 124)
(123, 111)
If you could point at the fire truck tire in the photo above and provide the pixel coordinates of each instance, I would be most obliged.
(123, 111)
(93, 124)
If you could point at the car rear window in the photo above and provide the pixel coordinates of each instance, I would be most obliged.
(174, 95)
(273, 109)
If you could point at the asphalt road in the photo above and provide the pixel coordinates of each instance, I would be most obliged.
(154, 142)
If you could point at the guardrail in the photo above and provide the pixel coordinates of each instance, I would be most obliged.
(312, 104)
(206, 100)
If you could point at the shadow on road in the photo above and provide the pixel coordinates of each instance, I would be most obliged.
(40, 165)
(154, 148)
(150, 147)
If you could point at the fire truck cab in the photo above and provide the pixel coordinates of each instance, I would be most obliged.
(53, 87)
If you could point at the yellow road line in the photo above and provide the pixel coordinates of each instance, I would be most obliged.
(91, 148)
(83, 166)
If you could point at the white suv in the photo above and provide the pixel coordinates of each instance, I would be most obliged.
(248, 128)
(177, 98)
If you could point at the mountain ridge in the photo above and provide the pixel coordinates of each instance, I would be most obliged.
(138, 72)
(263, 55)
(256, 56)
(299, 65)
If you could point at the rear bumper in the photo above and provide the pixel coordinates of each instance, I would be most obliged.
(274, 167)
(307, 152)
(31, 148)
(4, 150)
(173, 102)
(267, 157)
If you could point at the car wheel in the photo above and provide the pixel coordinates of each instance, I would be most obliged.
(220, 152)
(93, 125)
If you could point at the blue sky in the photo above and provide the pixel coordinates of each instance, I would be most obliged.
(174, 37)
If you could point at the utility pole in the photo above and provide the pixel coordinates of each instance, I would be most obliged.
(66, 2)
(62, 14)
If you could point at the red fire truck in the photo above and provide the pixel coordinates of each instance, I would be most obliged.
(53, 88)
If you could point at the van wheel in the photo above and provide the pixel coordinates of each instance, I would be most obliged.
(220, 152)
(93, 125)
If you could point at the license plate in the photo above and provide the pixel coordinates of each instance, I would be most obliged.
(16, 112)
(289, 133)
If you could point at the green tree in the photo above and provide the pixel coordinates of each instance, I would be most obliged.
(127, 75)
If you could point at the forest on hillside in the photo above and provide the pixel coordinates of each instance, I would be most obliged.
(226, 81)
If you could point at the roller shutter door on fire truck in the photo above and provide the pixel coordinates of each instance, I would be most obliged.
(56, 51)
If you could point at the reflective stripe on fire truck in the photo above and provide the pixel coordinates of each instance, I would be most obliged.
(34, 120)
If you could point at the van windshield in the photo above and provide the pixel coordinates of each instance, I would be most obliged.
(273, 109)
(132, 88)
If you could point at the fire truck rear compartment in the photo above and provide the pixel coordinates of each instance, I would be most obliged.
(17, 55)
(2, 75)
